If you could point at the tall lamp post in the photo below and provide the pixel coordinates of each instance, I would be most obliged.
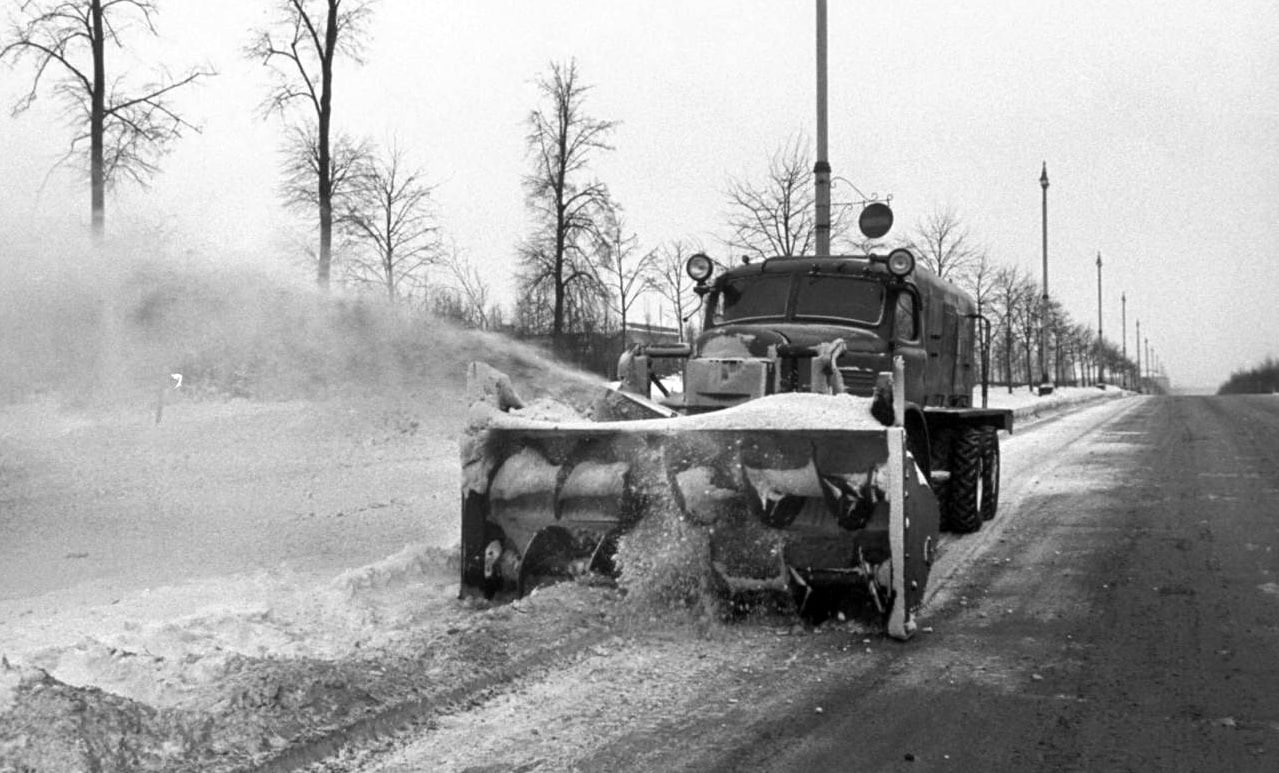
(821, 169)
(1139, 389)
(1149, 371)
(1123, 317)
(1045, 386)
(1101, 341)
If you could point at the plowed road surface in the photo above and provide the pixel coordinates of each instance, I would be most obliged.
(1122, 613)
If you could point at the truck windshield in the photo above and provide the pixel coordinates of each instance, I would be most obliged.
(755, 297)
(822, 296)
(839, 298)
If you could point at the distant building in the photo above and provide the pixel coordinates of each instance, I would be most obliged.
(643, 333)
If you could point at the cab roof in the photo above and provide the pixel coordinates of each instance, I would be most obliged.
(872, 267)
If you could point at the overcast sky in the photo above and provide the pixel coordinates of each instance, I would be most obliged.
(1159, 122)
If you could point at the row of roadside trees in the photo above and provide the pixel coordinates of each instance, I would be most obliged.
(582, 271)
(1259, 379)
(369, 202)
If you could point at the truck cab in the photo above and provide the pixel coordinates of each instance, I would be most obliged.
(880, 308)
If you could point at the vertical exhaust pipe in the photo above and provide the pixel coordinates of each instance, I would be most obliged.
(821, 170)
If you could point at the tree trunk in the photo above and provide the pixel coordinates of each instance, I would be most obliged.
(97, 124)
(390, 275)
(557, 323)
(1008, 357)
(1030, 366)
(388, 260)
(325, 174)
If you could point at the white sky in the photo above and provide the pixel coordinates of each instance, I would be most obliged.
(1159, 122)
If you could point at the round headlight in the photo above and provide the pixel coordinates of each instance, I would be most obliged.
(900, 262)
(699, 267)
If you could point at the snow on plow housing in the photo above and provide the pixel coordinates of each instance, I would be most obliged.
(824, 436)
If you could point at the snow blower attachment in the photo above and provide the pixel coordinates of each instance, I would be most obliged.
(824, 432)
(796, 491)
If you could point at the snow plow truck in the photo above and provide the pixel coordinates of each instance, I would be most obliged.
(824, 434)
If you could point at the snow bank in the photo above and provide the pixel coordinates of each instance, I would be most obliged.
(140, 649)
(1027, 405)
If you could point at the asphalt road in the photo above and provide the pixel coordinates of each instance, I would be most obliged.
(1122, 613)
(1127, 618)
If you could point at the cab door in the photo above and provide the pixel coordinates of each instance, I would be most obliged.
(908, 342)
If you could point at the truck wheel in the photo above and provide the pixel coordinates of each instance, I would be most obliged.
(990, 474)
(964, 491)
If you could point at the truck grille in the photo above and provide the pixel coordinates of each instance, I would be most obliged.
(858, 381)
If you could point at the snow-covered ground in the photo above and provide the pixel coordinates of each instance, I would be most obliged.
(142, 557)
(1027, 404)
(176, 557)
(159, 644)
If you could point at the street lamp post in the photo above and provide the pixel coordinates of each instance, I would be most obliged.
(1123, 317)
(1139, 389)
(1149, 371)
(1101, 341)
(1045, 386)
(821, 169)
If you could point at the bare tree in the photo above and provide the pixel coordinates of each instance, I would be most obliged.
(1076, 349)
(299, 168)
(943, 243)
(127, 127)
(348, 159)
(1007, 297)
(389, 213)
(980, 282)
(668, 278)
(301, 45)
(778, 216)
(583, 309)
(1015, 303)
(567, 207)
(472, 290)
(623, 271)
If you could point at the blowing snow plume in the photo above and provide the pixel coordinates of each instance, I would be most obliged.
(101, 325)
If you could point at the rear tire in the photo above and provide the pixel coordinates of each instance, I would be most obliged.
(990, 474)
(964, 492)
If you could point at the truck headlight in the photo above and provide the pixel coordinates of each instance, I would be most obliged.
(699, 267)
(900, 263)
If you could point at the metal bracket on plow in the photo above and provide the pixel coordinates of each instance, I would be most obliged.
(901, 624)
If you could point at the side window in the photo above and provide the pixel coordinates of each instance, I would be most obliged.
(905, 326)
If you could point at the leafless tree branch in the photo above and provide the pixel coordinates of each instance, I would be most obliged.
(129, 128)
(389, 213)
(300, 46)
(778, 216)
(567, 210)
(943, 243)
